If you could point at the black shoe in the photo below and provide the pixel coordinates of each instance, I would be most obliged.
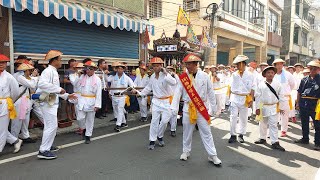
(197, 128)
(161, 142)
(173, 133)
(317, 147)
(104, 115)
(143, 119)
(232, 139)
(117, 128)
(126, 116)
(54, 149)
(276, 145)
(260, 141)
(29, 140)
(240, 138)
(87, 140)
(114, 119)
(84, 134)
(152, 145)
(123, 125)
(302, 141)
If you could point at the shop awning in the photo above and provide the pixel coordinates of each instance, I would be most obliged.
(80, 13)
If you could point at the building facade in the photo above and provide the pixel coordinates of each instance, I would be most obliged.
(240, 26)
(315, 29)
(298, 42)
(96, 29)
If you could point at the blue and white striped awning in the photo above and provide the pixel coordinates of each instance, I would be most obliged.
(80, 13)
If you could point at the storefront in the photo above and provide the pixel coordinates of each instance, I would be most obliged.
(77, 31)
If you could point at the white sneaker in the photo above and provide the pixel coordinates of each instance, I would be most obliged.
(184, 156)
(17, 146)
(216, 161)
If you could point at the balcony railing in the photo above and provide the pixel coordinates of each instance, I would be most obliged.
(274, 39)
(191, 5)
(315, 27)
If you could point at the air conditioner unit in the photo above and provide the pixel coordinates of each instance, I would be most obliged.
(257, 21)
(191, 5)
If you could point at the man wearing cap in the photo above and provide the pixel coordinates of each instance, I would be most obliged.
(218, 90)
(24, 105)
(241, 96)
(196, 91)
(298, 73)
(292, 114)
(9, 91)
(268, 94)
(74, 78)
(89, 85)
(207, 69)
(173, 120)
(308, 102)
(49, 83)
(142, 80)
(287, 83)
(159, 83)
(119, 80)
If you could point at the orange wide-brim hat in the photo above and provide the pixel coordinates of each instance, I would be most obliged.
(4, 58)
(156, 60)
(191, 58)
(52, 54)
(24, 67)
(90, 64)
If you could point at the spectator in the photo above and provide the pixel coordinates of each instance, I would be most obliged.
(69, 87)
(134, 106)
(102, 72)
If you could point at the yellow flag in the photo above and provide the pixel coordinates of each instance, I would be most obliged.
(182, 17)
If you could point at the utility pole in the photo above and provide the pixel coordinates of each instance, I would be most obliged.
(212, 16)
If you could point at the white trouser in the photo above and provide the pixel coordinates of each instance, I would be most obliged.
(22, 125)
(204, 130)
(173, 123)
(223, 101)
(50, 122)
(143, 104)
(80, 121)
(220, 102)
(5, 135)
(87, 118)
(156, 129)
(37, 110)
(118, 104)
(242, 110)
(284, 118)
(272, 121)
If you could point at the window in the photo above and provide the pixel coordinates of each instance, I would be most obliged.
(155, 9)
(238, 8)
(296, 35)
(273, 22)
(256, 11)
(304, 36)
(311, 19)
(191, 5)
(225, 6)
(298, 7)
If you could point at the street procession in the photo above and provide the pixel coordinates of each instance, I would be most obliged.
(93, 84)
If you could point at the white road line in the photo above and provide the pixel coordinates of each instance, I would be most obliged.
(317, 177)
(72, 144)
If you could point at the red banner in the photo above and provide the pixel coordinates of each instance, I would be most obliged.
(194, 96)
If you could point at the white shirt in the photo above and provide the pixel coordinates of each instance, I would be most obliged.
(160, 88)
(9, 87)
(288, 84)
(89, 86)
(141, 81)
(49, 82)
(264, 95)
(204, 88)
(241, 85)
(116, 83)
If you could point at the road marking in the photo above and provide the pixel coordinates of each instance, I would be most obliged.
(72, 144)
(317, 177)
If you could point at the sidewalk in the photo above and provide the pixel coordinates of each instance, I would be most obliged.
(37, 132)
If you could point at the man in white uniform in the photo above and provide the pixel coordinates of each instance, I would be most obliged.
(9, 91)
(218, 91)
(89, 85)
(49, 83)
(24, 105)
(242, 86)
(269, 99)
(159, 84)
(195, 107)
(142, 80)
(119, 80)
(287, 83)
(173, 120)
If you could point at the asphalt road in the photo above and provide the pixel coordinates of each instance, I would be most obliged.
(125, 156)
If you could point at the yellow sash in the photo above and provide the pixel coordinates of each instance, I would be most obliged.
(248, 100)
(88, 96)
(318, 111)
(127, 100)
(290, 102)
(192, 108)
(169, 97)
(11, 108)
